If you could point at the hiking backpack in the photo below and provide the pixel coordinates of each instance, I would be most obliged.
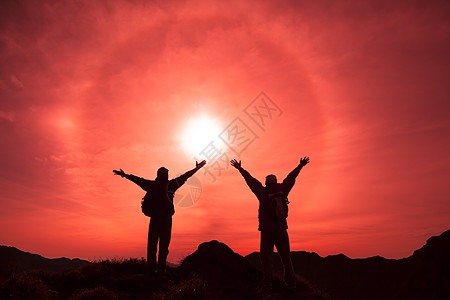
(146, 205)
(278, 206)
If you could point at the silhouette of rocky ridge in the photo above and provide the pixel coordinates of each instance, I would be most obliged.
(222, 266)
(230, 274)
(429, 270)
(424, 275)
(13, 260)
(215, 271)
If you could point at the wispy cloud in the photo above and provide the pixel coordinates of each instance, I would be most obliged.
(88, 87)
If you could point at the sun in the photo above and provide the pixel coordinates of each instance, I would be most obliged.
(199, 132)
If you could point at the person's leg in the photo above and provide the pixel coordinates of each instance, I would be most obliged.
(283, 248)
(266, 252)
(164, 241)
(152, 242)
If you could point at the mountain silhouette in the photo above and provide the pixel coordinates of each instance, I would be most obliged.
(215, 271)
(233, 277)
(429, 270)
(13, 260)
(216, 256)
(223, 268)
(424, 275)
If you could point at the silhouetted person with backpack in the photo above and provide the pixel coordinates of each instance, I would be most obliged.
(158, 205)
(272, 216)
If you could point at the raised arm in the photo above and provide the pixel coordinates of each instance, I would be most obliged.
(180, 180)
(143, 183)
(252, 182)
(289, 181)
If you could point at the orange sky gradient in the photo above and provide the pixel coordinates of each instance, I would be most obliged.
(91, 86)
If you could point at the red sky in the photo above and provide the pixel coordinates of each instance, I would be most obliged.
(88, 86)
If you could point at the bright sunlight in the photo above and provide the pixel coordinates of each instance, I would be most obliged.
(199, 132)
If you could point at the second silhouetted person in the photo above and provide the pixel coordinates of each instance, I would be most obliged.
(272, 220)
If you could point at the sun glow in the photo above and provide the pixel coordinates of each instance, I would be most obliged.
(199, 132)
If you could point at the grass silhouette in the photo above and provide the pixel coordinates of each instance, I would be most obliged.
(198, 277)
(214, 271)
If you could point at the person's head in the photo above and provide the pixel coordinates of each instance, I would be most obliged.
(162, 174)
(271, 179)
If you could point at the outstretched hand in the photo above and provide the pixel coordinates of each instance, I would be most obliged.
(121, 172)
(304, 161)
(236, 164)
(198, 165)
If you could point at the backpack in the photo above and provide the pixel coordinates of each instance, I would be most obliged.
(146, 205)
(152, 204)
(278, 206)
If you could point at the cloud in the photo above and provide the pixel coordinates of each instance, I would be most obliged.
(89, 87)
